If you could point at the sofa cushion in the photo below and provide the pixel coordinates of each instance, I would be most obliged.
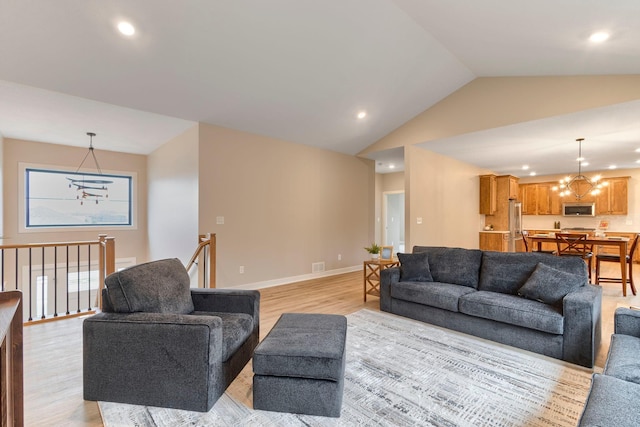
(611, 402)
(506, 272)
(453, 265)
(236, 328)
(415, 267)
(513, 310)
(154, 287)
(550, 285)
(434, 294)
(623, 360)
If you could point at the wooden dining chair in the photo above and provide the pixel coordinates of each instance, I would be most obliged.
(525, 240)
(575, 244)
(616, 258)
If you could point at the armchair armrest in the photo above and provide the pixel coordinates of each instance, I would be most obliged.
(131, 357)
(626, 321)
(582, 324)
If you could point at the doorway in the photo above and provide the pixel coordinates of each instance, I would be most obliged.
(393, 212)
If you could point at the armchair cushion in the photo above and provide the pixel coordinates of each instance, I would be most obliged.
(236, 328)
(154, 287)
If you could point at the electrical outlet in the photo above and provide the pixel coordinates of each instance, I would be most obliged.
(419, 220)
(339, 257)
(242, 269)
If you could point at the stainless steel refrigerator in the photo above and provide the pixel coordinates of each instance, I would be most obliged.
(515, 224)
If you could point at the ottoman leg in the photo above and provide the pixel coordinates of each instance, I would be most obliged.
(298, 395)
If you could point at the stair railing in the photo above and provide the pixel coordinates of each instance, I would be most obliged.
(204, 259)
(57, 280)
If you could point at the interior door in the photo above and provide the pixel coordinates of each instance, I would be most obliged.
(393, 211)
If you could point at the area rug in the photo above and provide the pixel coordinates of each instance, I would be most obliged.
(401, 372)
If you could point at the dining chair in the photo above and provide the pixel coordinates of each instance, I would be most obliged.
(575, 244)
(616, 258)
(525, 240)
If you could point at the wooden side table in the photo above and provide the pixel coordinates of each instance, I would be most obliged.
(372, 269)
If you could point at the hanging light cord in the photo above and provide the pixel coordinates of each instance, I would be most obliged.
(91, 135)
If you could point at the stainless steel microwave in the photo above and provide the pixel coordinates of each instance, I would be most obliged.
(579, 209)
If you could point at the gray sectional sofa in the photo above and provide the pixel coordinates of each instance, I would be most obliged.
(537, 302)
(615, 394)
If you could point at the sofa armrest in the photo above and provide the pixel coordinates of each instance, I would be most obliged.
(626, 321)
(388, 276)
(582, 324)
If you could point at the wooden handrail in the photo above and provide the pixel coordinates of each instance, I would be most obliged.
(11, 360)
(41, 288)
(206, 241)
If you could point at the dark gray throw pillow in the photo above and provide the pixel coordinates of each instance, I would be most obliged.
(550, 285)
(154, 287)
(415, 267)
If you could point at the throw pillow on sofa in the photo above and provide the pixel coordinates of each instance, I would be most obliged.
(415, 267)
(549, 285)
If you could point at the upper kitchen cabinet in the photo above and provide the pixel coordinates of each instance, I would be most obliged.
(495, 193)
(540, 199)
(488, 194)
(612, 199)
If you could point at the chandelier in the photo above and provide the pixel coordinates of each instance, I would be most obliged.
(86, 185)
(579, 186)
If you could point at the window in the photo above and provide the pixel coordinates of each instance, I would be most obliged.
(69, 199)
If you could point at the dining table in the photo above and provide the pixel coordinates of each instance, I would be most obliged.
(621, 243)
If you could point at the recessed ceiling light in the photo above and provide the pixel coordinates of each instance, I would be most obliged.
(637, 150)
(598, 37)
(392, 166)
(362, 114)
(126, 28)
(532, 174)
(584, 163)
(525, 167)
(612, 166)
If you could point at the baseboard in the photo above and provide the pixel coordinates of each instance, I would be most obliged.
(293, 279)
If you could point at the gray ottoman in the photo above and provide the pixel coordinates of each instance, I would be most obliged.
(299, 366)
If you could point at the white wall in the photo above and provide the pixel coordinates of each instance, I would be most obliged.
(173, 198)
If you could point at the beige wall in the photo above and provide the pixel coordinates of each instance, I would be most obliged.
(443, 192)
(490, 102)
(285, 206)
(173, 198)
(129, 242)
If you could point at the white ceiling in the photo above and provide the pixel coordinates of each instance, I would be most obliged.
(301, 70)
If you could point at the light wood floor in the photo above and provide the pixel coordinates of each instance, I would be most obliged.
(53, 351)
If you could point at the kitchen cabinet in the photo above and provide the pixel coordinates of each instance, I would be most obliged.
(498, 241)
(494, 241)
(540, 199)
(612, 199)
(504, 187)
(529, 199)
(488, 194)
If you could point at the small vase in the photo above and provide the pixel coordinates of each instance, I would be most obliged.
(375, 256)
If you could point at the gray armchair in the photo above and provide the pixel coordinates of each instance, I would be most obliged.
(159, 342)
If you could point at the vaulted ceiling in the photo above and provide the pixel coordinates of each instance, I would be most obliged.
(296, 70)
